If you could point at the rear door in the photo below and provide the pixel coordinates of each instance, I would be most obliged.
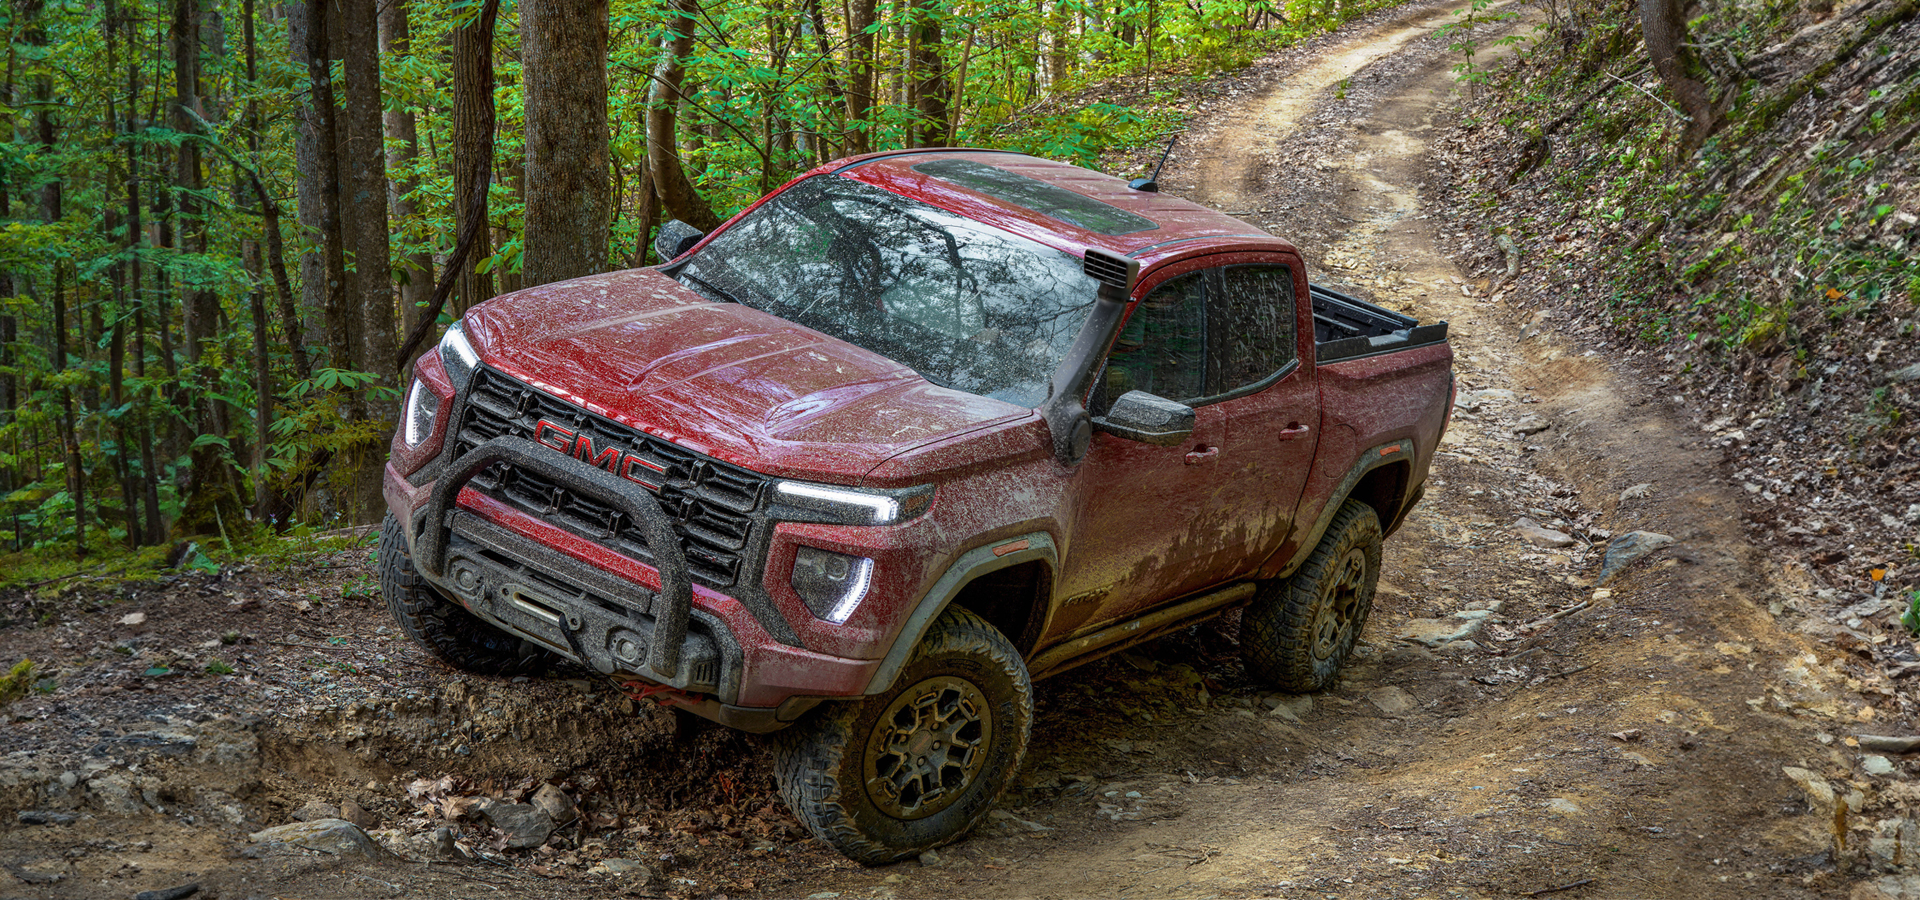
(1271, 402)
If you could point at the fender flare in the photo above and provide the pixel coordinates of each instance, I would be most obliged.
(1382, 454)
(971, 564)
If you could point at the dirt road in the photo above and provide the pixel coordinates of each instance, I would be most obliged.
(1508, 729)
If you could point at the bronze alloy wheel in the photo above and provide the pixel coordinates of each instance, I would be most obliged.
(888, 776)
(927, 747)
(1341, 615)
(1297, 632)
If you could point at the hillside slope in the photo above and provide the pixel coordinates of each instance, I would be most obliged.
(1766, 280)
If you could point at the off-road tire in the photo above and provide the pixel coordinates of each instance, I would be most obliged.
(1298, 632)
(822, 762)
(445, 629)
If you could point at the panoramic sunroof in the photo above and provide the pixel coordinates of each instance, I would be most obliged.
(1038, 196)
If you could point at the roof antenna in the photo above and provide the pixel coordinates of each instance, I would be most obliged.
(1151, 185)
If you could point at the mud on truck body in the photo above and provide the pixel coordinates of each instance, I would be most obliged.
(909, 432)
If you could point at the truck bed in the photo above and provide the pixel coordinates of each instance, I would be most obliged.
(1346, 327)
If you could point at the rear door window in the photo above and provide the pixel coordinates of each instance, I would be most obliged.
(1253, 327)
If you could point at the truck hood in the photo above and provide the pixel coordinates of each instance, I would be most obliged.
(722, 379)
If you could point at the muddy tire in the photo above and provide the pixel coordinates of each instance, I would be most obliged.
(444, 628)
(1297, 633)
(886, 777)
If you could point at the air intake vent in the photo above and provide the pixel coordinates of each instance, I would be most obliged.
(1108, 269)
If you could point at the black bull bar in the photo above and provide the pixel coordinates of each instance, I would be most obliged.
(670, 607)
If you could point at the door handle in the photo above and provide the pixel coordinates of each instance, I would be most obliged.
(1201, 454)
(1294, 430)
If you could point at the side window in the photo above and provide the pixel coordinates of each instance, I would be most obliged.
(1162, 348)
(1253, 325)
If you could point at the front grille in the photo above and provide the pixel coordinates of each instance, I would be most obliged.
(713, 504)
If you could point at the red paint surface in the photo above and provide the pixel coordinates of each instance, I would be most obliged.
(1134, 524)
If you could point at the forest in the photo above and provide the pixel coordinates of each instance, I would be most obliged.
(229, 225)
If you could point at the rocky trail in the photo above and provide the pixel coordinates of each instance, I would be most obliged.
(1512, 726)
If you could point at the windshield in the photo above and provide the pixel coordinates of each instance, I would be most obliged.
(966, 305)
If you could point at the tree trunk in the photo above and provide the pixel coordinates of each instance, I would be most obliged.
(403, 143)
(1060, 37)
(212, 498)
(860, 65)
(563, 53)
(929, 75)
(322, 268)
(473, 123)
(363, 205)
(663, 102)
(1665, 31)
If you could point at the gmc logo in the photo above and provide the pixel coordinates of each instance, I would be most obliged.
(613, 459)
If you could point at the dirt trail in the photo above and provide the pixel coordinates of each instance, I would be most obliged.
(1570, 740)
(1625, 741)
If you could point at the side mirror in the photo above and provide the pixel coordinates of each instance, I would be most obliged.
(1140, 416)
(675, 237)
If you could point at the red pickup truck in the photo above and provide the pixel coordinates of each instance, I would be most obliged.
(909, 432)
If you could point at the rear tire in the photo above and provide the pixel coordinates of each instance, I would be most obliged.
(445, 629)
(886, 777)
(1297, 633)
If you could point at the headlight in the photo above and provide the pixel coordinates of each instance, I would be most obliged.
(831, 583)
(457, 355)
(798, 501)
(422, 406)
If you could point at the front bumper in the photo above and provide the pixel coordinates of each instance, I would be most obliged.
(607, 611)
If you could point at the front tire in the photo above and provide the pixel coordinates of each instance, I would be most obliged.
(445, 629)
(1297, 633)
(889, 776)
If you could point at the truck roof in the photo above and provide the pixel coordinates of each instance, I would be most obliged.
(1057, 204)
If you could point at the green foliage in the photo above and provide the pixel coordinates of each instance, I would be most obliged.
(1911, 618)
(98, 450)
(16, 682)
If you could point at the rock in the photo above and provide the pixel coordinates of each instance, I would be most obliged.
(1531, 425)
(435, 846)
(1438, 632)
(116, 793)
(1014, 824)
(1627, 548)
(138, 618)
(1471, 401)
(1890, 887)
(1637, 492)
(526, 826)
(1540, 535)
(337, 837)
(1561, 806)
(1888, 744)
(630, 868)
(1876, 765)
(1816, 787)
(1391, 700)
(358, 815)
(1290, 708)
(45, 817)
(315, 810)
(172, 893)
(930, 858)
(556, 804)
